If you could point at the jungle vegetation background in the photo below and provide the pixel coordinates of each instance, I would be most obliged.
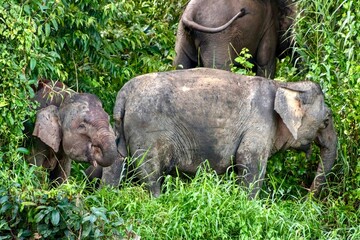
(96, 46)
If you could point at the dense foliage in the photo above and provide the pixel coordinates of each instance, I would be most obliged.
(96, 46)
(91, 47)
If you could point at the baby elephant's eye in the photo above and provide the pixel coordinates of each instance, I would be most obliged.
(82, 126)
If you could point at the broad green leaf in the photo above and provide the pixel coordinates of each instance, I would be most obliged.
(4, 199)
(91, 218)
(55, 217)
(27, 9)
(39, 217)
(86, 230)
(32, 63)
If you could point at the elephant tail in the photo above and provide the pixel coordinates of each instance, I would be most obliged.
(119, 114)
(188, 21)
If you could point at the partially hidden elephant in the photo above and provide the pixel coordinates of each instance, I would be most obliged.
(171, 122)
(211, 33)
(70, 126)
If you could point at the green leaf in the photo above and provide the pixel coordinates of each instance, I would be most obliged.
(27, 9)
(47, 29)
(86, 230)
(4, 199)
(32, 63)
(55, 217)
(3, 103)
(39, 30)
(55, 24)
(23, 150)
(91, 218)
(39, 216)
(28, 204)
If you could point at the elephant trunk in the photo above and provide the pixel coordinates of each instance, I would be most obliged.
(188, 21)
(327, 141)
(108, 149)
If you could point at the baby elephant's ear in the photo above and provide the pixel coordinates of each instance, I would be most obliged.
(289, 106)
(47, 127)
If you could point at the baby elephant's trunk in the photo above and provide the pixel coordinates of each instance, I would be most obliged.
(327, 141)
(109, 150)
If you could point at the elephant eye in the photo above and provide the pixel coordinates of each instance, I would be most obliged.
(82, 126)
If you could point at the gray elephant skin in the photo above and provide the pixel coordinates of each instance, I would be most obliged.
(176, 120)
(70, 126)
(211, 33)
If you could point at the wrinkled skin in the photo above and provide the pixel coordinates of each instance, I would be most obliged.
(70, 126)
(211, 33)
(178, 119)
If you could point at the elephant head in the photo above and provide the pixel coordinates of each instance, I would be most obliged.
(79, 129)
(50, 93)
(46, 93)
(305, 118)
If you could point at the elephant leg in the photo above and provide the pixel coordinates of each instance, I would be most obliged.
(265, 57)
(212, 58)
(151, 175)
(113, 174)
(94, 172)
(148, 170)
(251, 160)
(186, 53)
(62, 170)
(40, 153)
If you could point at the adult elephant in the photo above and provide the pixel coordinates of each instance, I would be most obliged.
(173, 121)
(211, 33)
(70, 126)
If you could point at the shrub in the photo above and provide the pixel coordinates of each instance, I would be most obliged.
(30, 208)
(91, 46)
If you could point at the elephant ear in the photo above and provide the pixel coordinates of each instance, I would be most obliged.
(47, 127)
(288, 105)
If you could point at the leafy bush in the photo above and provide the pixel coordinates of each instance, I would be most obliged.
(30, 208)
(103, 45)
(243, 59)
(91, 46)
(329, 50)
(20, 47)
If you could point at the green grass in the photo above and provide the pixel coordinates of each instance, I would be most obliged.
(206, 207)
(213, 207)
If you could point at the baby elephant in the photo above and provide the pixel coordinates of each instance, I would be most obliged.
(179, 119)
(70, 126)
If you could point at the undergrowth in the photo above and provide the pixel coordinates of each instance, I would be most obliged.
(207, 207)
